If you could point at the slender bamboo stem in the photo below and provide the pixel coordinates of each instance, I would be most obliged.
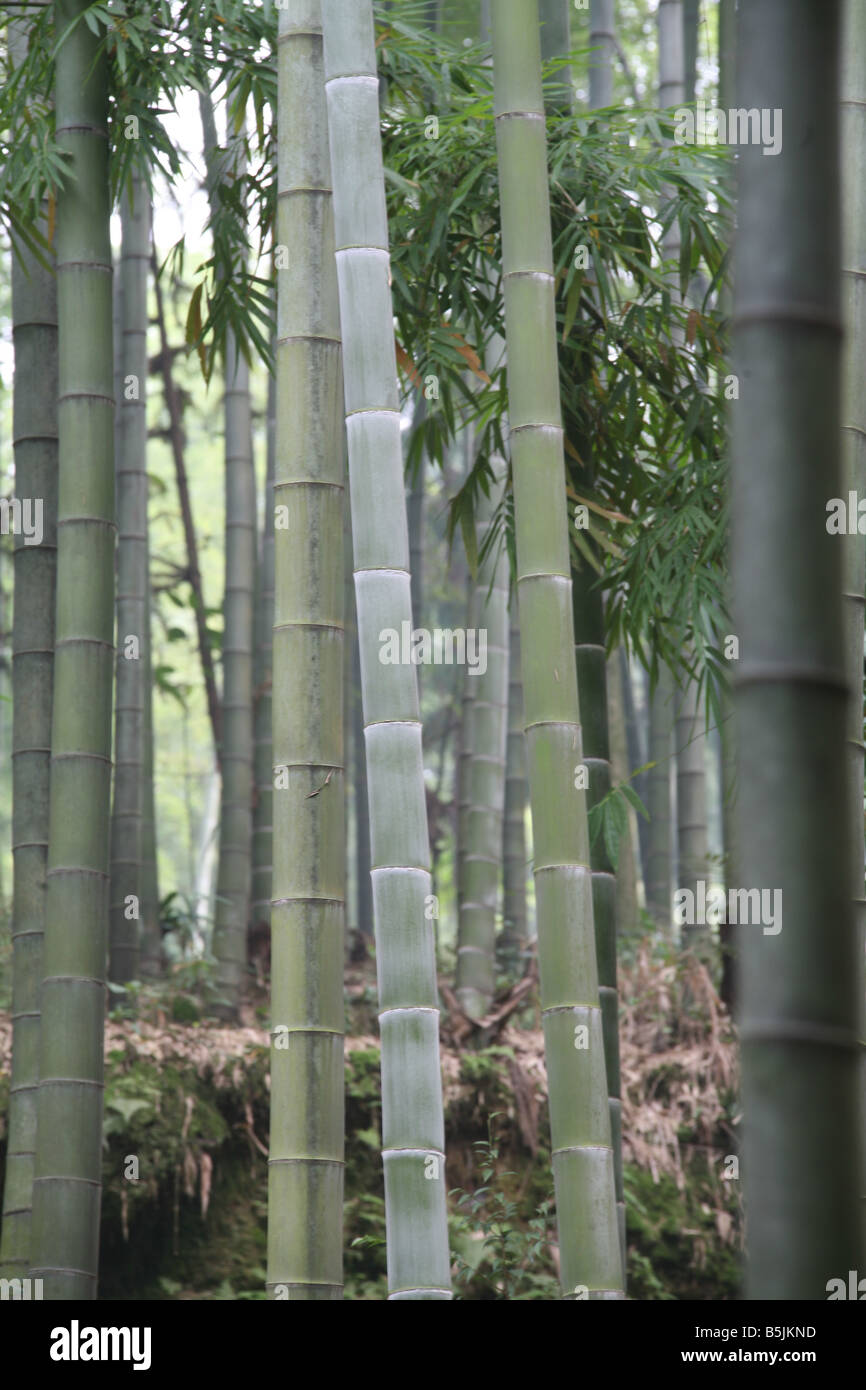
(485, 739)
(659, 878)
(583, 1160)
(132, 591)
(602, 40)
(515, 927)
(262, 870)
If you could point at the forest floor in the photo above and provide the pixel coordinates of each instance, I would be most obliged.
(186, 1124)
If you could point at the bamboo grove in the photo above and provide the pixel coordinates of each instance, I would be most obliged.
(432, 593)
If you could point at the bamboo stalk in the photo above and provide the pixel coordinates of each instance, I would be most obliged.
(132, 592)
(583, 1161)
(34, 438)
(515, 926)
(305, 1174)
(484, 742)
(800, 1014)
(412, 1115)
(262, 847)
(68, 1171)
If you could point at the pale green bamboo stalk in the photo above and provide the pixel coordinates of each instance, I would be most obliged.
(34, 439)
(412, 1112)
(68, 1171)
(602, 37)
(234, 865)
(659, 874)
(485, 740)
(583, 1160)
(853, 130)
(515, 927)
(305, 1174)
(671, 63)
(262, 848)
(802, 1154)
(132, 591)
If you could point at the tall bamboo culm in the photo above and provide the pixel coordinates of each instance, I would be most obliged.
(800, 986)
(132, 593)
(583, 1161)
(412, 1112)
(305, 1183)
(34, 438)
(68, 1171)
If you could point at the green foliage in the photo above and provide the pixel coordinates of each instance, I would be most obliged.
(609, 816)
(500, 1253)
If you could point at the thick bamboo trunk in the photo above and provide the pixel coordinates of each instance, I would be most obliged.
(132, 591)
(412, 1116)
(583, 1160)
(34, 438)
(68, 1177)
(262, 697)
(853, 118)
(800, 1008)
(305, 1187)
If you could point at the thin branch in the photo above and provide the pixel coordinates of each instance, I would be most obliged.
(176, 434)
